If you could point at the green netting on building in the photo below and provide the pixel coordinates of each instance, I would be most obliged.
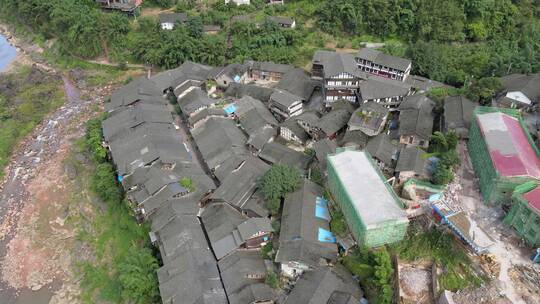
(374, 215)
(524, 218)
(494, 187)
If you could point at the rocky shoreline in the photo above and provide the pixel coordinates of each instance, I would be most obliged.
(27, 54)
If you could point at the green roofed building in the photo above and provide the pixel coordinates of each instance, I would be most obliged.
(502, 153)
(524, 215)
(372, 209)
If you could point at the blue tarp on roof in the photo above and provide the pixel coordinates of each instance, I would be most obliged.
(321, 209)
(120, 178)
(237, 78)
(326, 236)
(229, 109)
(434, 197)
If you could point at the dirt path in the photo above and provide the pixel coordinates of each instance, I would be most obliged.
(506, 248)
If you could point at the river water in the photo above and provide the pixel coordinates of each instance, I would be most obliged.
(7, 53)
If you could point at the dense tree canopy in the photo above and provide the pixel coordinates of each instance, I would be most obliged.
(452, 41)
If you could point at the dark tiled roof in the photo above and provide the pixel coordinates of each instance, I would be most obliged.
(411, 159)
(352, 138)
(140, 89)
(337, 63)
(416, 117)
(269, 66)
(424, 84)
(241, 183)
(326, 286)
(219, 139)
(458, 112)
(298, 83)
(238, 90)
(370, 115)
(126, 119)
(292, 124)
(243, 275)
(173, 18)
(276, 153)
(281, 20)
(298, 237)
(187, 71)
(382, 148)
(379, 87)
(194, 100)
(333, 121)
(527, 84)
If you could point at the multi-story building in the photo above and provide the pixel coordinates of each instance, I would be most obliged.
(502, 153)
(373, 211)
(380, 64)
(341, 78)
(284, 104)
(266, 71)
(524, 215)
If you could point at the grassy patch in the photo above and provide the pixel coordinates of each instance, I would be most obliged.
(440, 247)
(119, 245)
(24, 107)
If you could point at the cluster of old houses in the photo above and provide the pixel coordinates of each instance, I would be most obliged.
(195, 177)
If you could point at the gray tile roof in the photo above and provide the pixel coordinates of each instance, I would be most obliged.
(173, 17)
(322, 149)
(412, 159)
(458, 112)
(190, 274)
(298, 239)
(228, 229)
(219, 139)
(194, 100)
(253, 114)
(239, 90)
(231, 70)
(383, 59)
(276, 153)
(297, 82)
(354, 138)
(243, 275)
(424, 84)
(416, 116)
(256, 206)
(370, 115)
(206, 113)
(120, 122)
(220, 220)
(261, 136)
(326, 286)
(281, 20)
(147, 144)
(284, 98)
(140, 89)
(336, 63)
(241, 183)
(188, 70)
(379, 87)
(333, 121)
(269, 66)
(292, 124)
(211, 28)
(383, 149)
(527, 84)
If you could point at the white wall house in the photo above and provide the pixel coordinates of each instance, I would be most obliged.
(238, 2)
